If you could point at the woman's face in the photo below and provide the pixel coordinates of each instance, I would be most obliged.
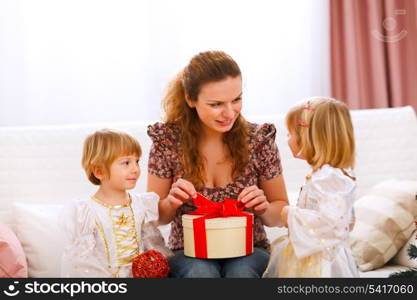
(219, 104)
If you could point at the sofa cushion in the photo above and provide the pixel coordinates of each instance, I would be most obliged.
(402, 258)
(384, 222)
(383, 272)
(12, 258)
(37, 227)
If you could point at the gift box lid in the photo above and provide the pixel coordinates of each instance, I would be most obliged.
(215, 223)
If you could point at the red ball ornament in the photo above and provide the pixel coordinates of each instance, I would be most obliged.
(150, 264)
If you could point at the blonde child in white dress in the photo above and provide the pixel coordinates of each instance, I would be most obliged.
(320, 132)
(103, 231)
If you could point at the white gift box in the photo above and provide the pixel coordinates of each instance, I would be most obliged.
(225, 237)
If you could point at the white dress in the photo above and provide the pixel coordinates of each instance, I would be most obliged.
(102, 239)
(318, 229)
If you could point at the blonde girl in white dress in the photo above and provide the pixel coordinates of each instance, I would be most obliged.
(320, 132)
(103, 232)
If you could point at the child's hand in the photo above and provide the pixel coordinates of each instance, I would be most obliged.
(284, 215)
(181, 191)
(254, 198)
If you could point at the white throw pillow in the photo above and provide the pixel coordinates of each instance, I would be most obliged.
(402, 257)
(384, 222)
(40, 233)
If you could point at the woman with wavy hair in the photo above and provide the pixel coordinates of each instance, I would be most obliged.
(206, 146)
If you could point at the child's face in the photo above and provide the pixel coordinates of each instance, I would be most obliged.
(124, 173)
(293, 143)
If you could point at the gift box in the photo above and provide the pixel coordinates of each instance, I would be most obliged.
(217, 230)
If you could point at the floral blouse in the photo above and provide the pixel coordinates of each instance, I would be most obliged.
(264, 164)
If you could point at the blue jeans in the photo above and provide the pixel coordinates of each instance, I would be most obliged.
(251, 266)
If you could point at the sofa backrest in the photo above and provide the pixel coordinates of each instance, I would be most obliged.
(42, 164)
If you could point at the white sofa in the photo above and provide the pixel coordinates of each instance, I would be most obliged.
(40, 170)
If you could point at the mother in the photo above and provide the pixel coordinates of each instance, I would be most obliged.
(206, 146)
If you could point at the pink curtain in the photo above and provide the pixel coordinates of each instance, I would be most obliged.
(374, 52)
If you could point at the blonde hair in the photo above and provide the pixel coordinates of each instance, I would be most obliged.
(205, 67)
(325, 132)
(102, 148)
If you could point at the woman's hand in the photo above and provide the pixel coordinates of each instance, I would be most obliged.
(181, 191)
(254, 198)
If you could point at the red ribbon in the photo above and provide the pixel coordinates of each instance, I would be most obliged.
(210, 210)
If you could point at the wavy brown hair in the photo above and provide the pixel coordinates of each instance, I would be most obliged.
(205, 67)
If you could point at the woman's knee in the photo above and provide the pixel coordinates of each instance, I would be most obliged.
(182, 266)
(251, 266)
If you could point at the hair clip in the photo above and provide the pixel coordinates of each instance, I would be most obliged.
(309, 107)
(302, 124)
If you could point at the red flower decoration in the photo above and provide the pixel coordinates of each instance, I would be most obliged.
(150, 264)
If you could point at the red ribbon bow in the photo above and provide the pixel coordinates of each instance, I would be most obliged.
(210, 210)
